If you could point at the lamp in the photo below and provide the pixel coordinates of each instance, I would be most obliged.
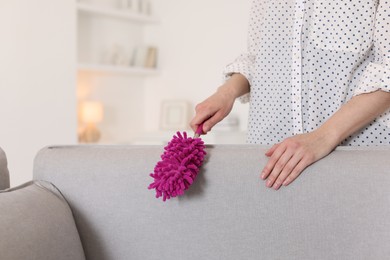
(91, 113)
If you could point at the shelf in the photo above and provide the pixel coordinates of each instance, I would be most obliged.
(112, 69)
(115, 13)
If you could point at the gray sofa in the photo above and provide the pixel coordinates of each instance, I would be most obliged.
(4, 174)
(338, 208)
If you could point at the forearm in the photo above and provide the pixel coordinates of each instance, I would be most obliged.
(354, 115)
(236, 86)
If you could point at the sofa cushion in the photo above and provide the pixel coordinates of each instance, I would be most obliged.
(37, 223)
(4, 175)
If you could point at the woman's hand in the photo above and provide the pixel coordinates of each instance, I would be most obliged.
(218, 106)
(290, 157)
(212, 110)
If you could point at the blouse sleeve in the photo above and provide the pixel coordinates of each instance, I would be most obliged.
(377, 74)
(244, 63)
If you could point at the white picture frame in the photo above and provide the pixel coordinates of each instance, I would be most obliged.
(174, 115)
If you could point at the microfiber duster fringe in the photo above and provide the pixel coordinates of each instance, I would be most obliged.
(179, 166)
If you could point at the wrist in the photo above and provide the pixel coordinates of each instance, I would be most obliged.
(227, 91)
(236, 86)
(329, 136)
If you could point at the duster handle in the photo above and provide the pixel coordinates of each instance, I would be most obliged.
(199, 131)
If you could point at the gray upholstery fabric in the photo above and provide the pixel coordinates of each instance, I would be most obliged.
(37, 223)
(338, 208)
(4, 174)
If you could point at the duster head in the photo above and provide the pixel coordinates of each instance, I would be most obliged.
(179, 166)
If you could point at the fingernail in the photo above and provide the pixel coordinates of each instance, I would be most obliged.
(263, 175)
(277, 186)
(285, 183)
(269, 182)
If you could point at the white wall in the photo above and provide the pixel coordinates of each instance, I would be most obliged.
(196, 40)
(37, 80)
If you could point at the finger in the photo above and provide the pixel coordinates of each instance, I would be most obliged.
(199, 118)
(297, 171)
(287, 170)
(271, 150)
(272, 161)
(278, 168)
(212, 121)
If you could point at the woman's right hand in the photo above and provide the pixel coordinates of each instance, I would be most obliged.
(213, 110)
(218, 106)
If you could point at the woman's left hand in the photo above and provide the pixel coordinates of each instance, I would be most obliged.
(290, 157)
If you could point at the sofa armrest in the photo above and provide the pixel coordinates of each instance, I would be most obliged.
(37, 223)
(4, 174)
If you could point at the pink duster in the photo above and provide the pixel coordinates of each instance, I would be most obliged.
(179, 165)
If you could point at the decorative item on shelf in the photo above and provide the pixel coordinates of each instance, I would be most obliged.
(145, 7)
(151, 58)
(124, 4)
(136, 6)
(115, 55)
(144, 56)
(132, 10)
(174, 115)
(91, 113)
(139, 55)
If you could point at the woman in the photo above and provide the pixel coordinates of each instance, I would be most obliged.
(316, 74)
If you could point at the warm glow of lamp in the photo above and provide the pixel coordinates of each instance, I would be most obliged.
(91, 113)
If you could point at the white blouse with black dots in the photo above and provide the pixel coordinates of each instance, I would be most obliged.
(308, 57)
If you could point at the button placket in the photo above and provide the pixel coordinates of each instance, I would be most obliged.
(296, 72)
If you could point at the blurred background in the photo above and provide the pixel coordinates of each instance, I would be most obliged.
(112, 72)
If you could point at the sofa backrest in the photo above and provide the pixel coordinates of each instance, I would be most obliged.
(338, 208)
(4, 174)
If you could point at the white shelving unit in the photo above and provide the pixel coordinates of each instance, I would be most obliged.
(109, 38)
(115, 13)
(112, 69)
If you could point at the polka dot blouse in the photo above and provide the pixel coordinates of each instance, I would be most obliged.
(306, 58)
